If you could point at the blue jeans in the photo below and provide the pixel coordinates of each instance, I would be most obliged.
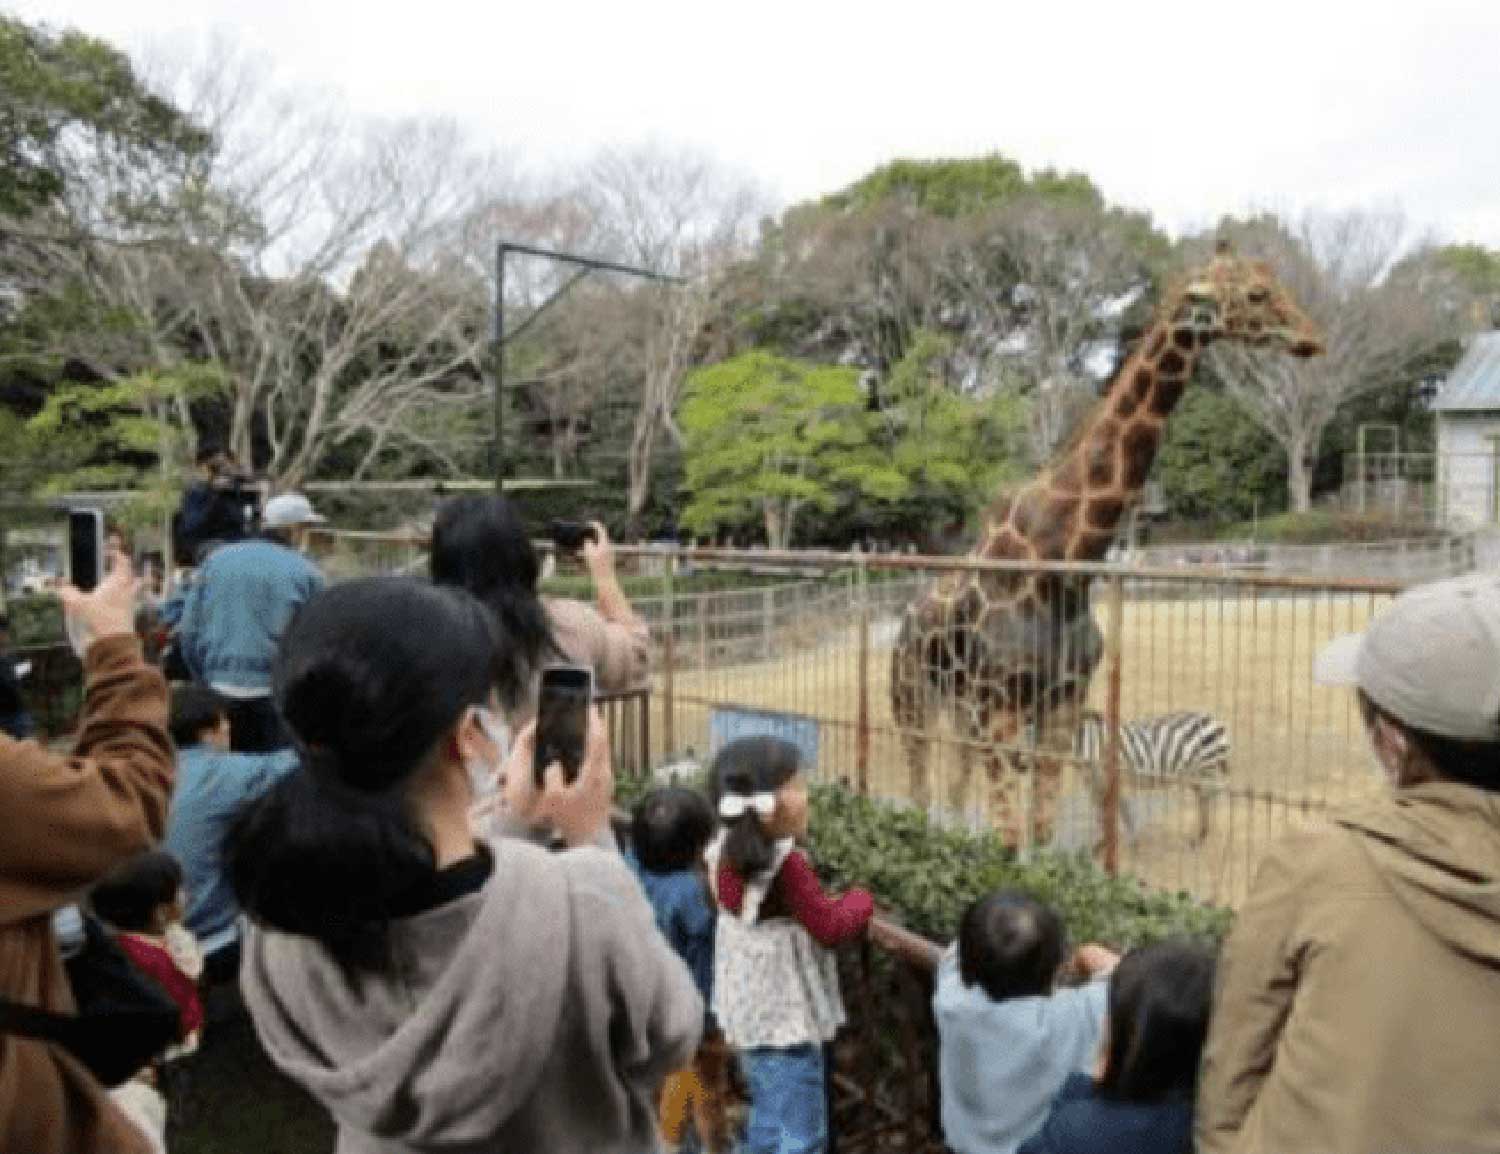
(788, 1107)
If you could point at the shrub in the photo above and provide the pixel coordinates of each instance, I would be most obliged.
(35, 620)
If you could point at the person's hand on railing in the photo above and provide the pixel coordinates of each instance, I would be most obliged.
(1093, 961)
(579, 811)
(108, 610)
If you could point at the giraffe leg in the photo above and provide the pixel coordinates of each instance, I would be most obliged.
(1055, 741)
(911, 710)
(1006, 784)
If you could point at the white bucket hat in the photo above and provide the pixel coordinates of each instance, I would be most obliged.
(1431, 660)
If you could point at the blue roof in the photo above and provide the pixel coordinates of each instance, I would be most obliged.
(1474, 383)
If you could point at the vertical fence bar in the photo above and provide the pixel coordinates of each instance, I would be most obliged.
(1112, 651)
(668, 654)
(862, 717)
(767, 620)
(702, 599)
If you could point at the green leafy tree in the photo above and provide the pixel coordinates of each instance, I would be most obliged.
(1217, 464)
(768, 437)
(953, 450)
(70, 101)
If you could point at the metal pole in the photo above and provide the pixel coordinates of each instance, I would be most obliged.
(1112, 651)
(497, 450)
(862, 721)
(669, 656)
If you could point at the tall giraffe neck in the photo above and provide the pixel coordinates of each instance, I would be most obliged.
(1071, 510)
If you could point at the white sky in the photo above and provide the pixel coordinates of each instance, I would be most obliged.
(1188, 110)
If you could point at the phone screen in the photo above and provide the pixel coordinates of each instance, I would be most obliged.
(85, 548)
(562, 720)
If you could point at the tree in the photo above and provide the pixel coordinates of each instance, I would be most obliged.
(1216, 464)
(769, 437)
(1354, 277)
(74, 103)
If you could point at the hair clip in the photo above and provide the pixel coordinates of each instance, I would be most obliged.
(733, 805)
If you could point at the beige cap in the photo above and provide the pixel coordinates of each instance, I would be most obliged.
(1432, 659)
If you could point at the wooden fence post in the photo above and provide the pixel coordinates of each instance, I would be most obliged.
(1112, 654)
(668, 654)
(862, 718)
(767, 619)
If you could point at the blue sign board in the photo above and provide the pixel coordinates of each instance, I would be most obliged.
(730, 724)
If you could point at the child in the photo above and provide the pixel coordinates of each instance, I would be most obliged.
(1007, 1039)
(671, 830)
(142, 902)
(213, 785)
(1140, 1100)
(775, 989)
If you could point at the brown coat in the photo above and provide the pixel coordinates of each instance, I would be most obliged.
(66, 822)
(1358, 1006)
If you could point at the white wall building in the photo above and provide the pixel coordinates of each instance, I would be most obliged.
(1468, 437)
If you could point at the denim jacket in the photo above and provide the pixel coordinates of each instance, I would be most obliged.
(235, 612)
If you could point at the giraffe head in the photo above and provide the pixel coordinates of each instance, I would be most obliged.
(1235, 299)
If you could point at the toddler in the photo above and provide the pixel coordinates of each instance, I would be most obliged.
(1007, 1038)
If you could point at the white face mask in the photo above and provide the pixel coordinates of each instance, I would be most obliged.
(484, 772)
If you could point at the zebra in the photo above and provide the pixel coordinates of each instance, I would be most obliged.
(1186, 748)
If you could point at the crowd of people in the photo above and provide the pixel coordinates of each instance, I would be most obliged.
(334, 813)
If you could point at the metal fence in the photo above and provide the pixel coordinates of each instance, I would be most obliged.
(1405, 560)
(815, 658)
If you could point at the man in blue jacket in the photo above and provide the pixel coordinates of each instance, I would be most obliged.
(244, 596)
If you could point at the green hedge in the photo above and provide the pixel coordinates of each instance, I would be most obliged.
(926, 876)
(35, 620)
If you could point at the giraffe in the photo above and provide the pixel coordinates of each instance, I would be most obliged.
(1011, 654)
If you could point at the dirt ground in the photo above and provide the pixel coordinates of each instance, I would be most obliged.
(1297, 749)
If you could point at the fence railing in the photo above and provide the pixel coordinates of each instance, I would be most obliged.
(1406, 559)
(1235, 646)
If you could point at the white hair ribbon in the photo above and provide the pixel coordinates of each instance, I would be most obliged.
(733, 805)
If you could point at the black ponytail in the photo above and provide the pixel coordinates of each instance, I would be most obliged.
(744, 768)
(372, 675)
(479, 543)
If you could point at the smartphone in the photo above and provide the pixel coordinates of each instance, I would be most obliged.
(569, 536)
(85, 548)
(562, 720)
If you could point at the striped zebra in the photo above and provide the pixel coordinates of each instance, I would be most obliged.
(1190, 749)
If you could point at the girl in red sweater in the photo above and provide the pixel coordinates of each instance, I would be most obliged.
(776, 990)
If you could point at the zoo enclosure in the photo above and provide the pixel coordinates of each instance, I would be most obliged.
(811, 656)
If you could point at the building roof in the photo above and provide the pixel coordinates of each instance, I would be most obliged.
(1474, 384)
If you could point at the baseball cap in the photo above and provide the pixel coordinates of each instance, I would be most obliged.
(289, 509)
(1431, 660)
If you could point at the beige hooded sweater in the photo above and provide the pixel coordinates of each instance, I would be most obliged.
(1358, 1008)
(539, 1014)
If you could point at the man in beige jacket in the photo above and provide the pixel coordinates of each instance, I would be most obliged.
(1358, 1007)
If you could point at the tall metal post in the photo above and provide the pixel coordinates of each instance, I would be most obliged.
(1112, 652)
(497, 451)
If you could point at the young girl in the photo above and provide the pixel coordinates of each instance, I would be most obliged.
(1140, 1099)
(776, 990)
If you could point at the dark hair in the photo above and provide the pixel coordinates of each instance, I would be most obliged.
(671, 828)
(748, 766)
(371, 675)
(128, 897)
(1475, 763)
(1010, 945)
(195, 709)
(1160, 998)
(480, 544)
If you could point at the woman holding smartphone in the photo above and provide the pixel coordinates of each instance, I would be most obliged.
(434, 990)
(480, 544)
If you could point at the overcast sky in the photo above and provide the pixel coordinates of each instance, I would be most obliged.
(1188, 110)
